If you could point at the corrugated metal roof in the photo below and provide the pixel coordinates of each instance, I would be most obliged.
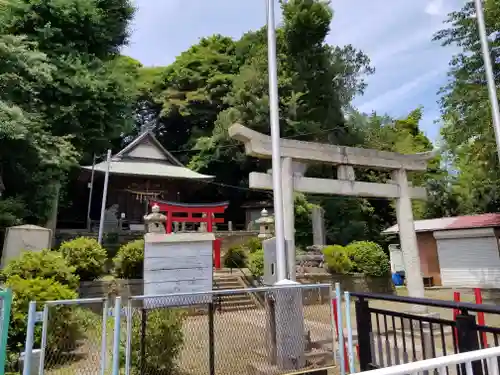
(476, 221)
(458, 222)
(148, 169)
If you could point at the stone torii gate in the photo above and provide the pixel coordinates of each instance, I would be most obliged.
(296, 155)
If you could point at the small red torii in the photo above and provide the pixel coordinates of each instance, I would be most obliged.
(206, 211)
(209, 209)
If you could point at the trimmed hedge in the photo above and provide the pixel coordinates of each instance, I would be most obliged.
(86, 256)
(129, 261)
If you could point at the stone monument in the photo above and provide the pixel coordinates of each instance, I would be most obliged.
(176, 263)
(111, 219)
(318, 226)
(24, 238)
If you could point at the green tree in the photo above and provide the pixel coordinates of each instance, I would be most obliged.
(310, 85)
(65, 93)
(29, 152)
(467, 132)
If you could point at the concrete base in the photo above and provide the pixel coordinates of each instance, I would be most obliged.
(35, 361)
(416, 323)
(289, 317)
(315, 359)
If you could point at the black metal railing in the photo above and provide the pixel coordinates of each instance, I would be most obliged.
(388, 336)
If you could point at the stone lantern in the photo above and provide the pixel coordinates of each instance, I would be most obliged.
(266, 225)
(155, 220)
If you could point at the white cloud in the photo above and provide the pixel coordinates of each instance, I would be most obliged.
(391, 98)
(435, 8)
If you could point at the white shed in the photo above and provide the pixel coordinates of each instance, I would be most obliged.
(468, 257)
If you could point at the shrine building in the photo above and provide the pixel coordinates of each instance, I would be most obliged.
(141, 172)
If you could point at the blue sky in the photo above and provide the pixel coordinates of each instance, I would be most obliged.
(396, 35)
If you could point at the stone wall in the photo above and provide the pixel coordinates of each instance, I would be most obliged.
(351, 283)
(114, 241)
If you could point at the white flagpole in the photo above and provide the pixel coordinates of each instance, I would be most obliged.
(281, 264)
(490, 78)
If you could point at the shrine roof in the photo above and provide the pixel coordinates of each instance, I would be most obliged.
(148, 169)
(145, 156)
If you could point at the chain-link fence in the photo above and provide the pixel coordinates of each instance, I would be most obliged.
(261, 330)
(5, 306)
(72, 337)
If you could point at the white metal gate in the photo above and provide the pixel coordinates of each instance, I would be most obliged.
(75, 337)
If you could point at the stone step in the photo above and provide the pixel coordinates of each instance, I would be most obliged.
(227, 279)
(229, 286)
(228, 307)
(236, 300)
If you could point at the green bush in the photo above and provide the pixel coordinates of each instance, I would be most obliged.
(163, 342)
(235, 257)
(86, 255)
(65, 326)
(129, 261)
(253, 244)
(369, 258)
(256, 263)
(45, 264)
(337, 259)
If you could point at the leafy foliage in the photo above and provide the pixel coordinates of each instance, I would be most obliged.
(468, 136)
(253, 244)
(68, 94)
(235, 257)
(63, 94)
(256, 263)
(46, 264)
(65, 327)
(337, 259)
(86, 256)
(368, 258)
(129, 261)
(163, 342)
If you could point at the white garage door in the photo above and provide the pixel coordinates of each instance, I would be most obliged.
(469, 261)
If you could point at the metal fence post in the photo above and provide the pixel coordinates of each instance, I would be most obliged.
(364, 327)
(104, 337)
(332, 323)
(30, 333)
(128, 347)
(468, 339)
(116, 338)
(340, 329)
(43, 345)
(347, 301)
(6, 297)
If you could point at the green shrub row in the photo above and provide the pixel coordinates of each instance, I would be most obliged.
(358, 257)
(54, 275)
